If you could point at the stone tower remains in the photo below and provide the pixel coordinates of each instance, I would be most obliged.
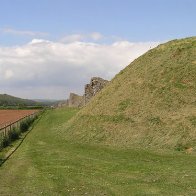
(96, 84)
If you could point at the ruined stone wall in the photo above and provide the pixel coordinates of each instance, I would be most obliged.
(63, 103)
(90, 90)
(96, 84)
(75, 100)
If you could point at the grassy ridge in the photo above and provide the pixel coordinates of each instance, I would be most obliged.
(8, 100)
(149, 104)
(48, 163)
(11, 102)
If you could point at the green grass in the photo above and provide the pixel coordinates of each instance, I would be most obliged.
(48, 163)
(149, 104)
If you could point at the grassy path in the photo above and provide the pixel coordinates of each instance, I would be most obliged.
(47, 164)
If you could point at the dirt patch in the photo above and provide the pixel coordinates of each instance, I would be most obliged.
(9, 116)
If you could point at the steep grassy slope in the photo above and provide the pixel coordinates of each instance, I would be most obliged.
(45, 164)
(151, 103)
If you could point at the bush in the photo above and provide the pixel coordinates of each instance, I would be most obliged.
(24, 126)
(14, 134)
(5, 142)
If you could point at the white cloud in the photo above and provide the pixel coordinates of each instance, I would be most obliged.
(8, 74)
(23, 32)
(95, 36)
(72, 38)
(46, 69)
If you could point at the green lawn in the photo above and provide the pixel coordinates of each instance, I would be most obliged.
(48, 164)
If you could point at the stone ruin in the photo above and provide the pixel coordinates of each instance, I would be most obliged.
(91, 89)
(96, 84)
(75, 100)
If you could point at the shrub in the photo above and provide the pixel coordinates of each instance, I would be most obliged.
(24, 126)
(14, 134)
(5, 142)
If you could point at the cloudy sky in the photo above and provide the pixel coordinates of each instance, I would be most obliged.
(49, 48)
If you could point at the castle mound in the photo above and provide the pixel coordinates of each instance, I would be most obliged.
(149, 104)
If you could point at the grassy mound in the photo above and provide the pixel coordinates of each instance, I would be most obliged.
(149, 104)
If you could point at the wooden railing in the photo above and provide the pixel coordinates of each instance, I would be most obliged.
(4, 130)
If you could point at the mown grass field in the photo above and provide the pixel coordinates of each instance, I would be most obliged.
(47, 163)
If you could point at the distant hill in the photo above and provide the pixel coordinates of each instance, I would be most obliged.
(47, 102)
(8, 100)
(149, 104)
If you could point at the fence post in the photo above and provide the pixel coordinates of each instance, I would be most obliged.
(5, 130)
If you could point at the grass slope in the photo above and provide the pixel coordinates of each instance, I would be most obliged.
(48, 164)
(149, 104)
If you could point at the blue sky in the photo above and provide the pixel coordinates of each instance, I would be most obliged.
(134, 20)
(49, 48)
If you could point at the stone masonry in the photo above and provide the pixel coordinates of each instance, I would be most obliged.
(75, 100)
(96, 84)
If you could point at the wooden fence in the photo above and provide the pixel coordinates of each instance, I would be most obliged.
(4, 131)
